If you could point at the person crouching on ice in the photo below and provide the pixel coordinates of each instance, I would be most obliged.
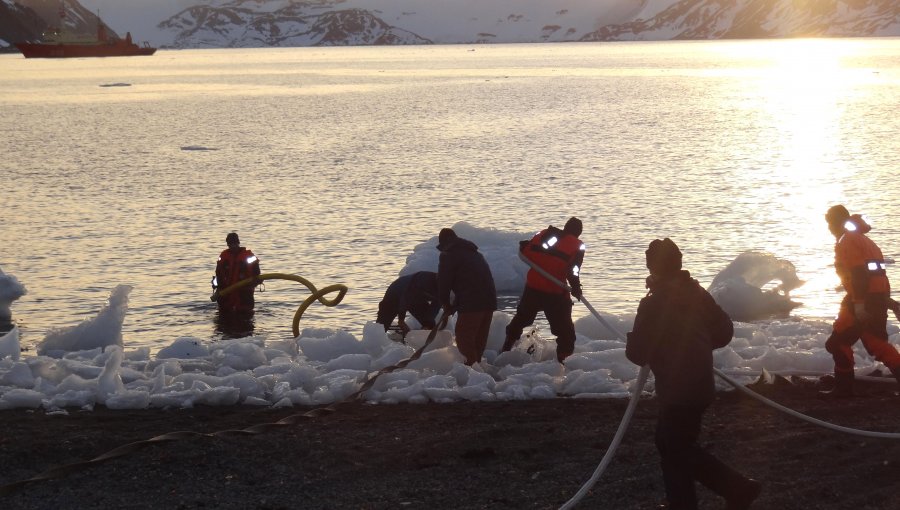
(414, 293)
(677, 326)
(235, 263)
(863, 315)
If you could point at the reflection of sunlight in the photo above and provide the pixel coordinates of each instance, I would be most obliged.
(805, 87)
(804, 92)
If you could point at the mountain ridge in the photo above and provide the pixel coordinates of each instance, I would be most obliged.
(286, 23)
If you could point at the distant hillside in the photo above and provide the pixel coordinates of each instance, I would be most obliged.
(18, 23)
(756, 19)
(26, 20)
(295, 24)
(262, 23)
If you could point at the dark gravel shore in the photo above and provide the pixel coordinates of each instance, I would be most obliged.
(516, 455)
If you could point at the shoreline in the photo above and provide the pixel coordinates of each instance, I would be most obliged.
(511, 454)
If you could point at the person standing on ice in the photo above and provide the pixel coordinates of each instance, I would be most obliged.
(860, 265)
(414, 293)
(677, 326)
(462, 270)
(560, 253)
(235, 263)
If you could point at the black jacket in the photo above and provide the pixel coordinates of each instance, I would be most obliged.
(677, 327)
(415, 293)
(464, 271)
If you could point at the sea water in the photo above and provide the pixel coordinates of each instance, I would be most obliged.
(340, 164)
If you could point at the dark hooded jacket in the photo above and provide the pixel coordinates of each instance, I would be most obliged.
(677, 327)
(464, 271)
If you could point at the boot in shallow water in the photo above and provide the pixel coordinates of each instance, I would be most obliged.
(843, 387)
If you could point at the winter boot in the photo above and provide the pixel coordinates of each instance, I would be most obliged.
(747, 495)
(843, 386)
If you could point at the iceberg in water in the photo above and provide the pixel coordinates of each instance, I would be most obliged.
(101, 331)
(10, 290)
(739, 288)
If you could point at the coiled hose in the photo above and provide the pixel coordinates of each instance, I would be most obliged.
(317, 294)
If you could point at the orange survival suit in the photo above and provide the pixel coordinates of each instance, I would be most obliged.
(561, 254)
(233, 266)
(860, 265)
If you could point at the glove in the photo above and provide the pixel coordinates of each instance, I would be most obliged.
(859, 310)
(576, 292)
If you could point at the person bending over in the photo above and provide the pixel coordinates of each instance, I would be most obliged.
(414, 293)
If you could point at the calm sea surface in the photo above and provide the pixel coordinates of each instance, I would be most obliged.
(334, 163)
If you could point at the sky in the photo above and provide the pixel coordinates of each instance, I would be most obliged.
(90, 363)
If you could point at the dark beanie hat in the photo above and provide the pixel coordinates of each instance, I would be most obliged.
(663, 257)
(446, 237)
(573, 226)
(232, 237)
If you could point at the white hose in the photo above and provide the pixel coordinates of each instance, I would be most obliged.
(629, 411)
(614, 444)
(795, 414)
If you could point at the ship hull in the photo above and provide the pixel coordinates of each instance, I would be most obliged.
(38, 50)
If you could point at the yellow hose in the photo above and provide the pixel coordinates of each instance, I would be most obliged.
(317, 294)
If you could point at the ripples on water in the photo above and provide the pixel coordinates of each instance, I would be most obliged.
(334, 163)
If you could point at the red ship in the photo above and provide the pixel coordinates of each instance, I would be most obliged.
(58, 45)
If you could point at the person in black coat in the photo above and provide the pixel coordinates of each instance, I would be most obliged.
(462, 270)
(677, 326)
(414, 293)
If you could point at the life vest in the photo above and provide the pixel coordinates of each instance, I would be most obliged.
(233, 267)
(556, 252)
(856, 254)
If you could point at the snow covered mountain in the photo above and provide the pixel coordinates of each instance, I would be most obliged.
(18, 23)
(253, 23)
(341, 22)
(26, 20)
(751, 19)
(245, 23)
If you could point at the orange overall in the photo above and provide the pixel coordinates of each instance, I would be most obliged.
(860, 265)
(232, 267)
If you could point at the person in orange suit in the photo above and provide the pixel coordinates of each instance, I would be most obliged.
(860, 265)
(560, 253)
(235, 263)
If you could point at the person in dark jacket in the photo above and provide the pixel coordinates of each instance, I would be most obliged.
(677, 326)
(414, 293)
(560, 253)
(462, 270)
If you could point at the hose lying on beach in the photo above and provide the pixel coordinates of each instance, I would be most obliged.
(317, 294)
(61, 471)
(857, 432)
(639, 386)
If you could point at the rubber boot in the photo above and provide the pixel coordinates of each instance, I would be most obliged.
(843, 386)
(508, 344)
